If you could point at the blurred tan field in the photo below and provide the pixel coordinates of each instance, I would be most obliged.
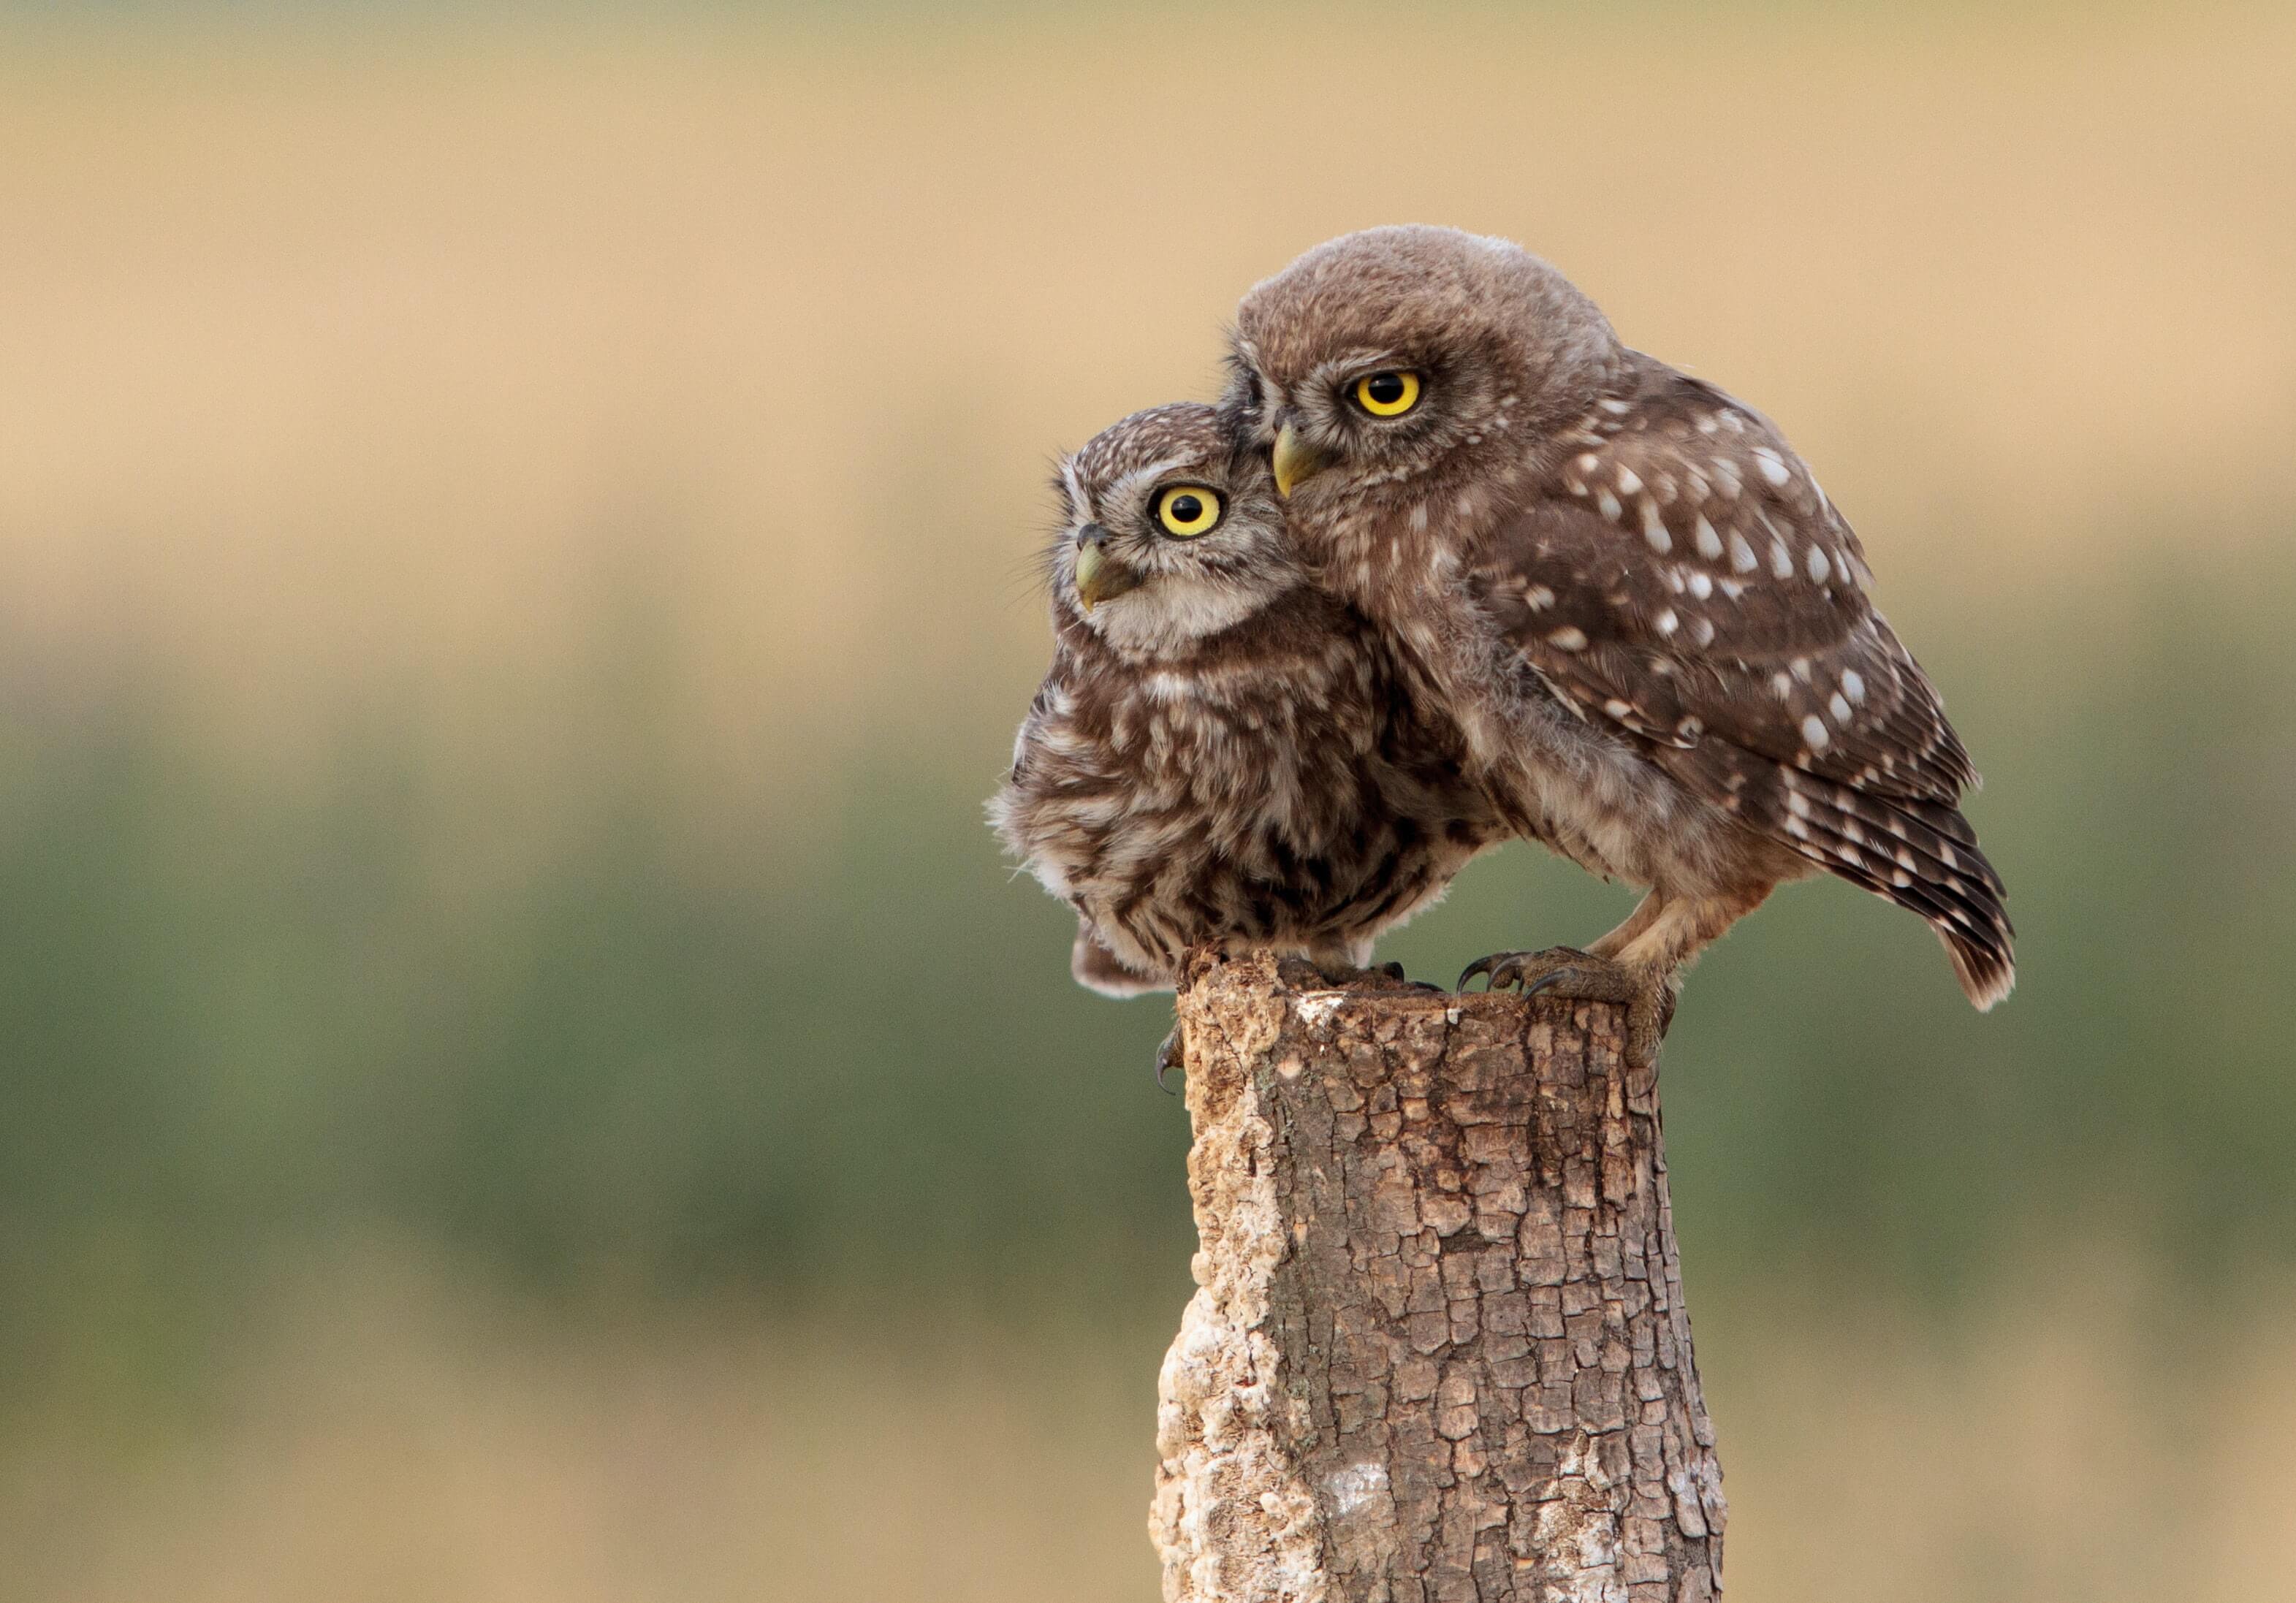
(514, 575)
(332, 374)
(398, 1436)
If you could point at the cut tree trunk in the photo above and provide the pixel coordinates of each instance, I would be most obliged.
(1438, 1350)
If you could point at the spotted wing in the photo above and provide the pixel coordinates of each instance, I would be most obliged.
(1686, 583)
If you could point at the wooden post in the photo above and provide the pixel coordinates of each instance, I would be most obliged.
(1438, 1352)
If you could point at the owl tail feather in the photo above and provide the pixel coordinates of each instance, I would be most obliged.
(1924, 856)
(1982, 960)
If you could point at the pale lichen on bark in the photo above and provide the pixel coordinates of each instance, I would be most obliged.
(1438, 1352)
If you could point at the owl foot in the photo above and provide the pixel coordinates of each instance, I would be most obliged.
(1566, 971)
(1311, 974)
(1172, 1054)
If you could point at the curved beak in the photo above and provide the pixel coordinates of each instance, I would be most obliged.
(1099, 577)
(1295, 460)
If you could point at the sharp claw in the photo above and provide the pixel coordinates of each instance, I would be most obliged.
(1552, 976)
(1170, 1056)
(1481, 965)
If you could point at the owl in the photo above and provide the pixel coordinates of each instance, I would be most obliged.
(1220, 753)
(1649, 624)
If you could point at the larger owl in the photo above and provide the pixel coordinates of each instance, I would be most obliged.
(1649, 624)
(1220, 752)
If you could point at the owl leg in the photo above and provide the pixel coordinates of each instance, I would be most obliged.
(1667, 933)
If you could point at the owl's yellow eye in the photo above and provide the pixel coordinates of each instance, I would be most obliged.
(1388, 394)
(1188, 509)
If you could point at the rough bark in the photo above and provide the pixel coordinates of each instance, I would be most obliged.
(1438, 1352)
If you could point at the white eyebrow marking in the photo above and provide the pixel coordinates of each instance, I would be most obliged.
(1330, 372)
(1078, 502)
(1140, 478)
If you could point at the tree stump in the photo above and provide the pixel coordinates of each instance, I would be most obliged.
(1438, 1350)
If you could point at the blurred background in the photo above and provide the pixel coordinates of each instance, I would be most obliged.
(523, 1074)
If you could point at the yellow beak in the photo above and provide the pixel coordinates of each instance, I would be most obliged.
(1296, 462)
(1098, 577)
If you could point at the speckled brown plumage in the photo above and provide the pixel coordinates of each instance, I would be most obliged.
(1220, 753)
(1649, 622)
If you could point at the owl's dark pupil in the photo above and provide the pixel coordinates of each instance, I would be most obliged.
(1386, 389)
(1186, 509)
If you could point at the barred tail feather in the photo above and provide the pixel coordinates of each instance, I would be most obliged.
(1924, 857)
(1984, 964)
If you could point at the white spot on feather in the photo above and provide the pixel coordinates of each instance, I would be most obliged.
(1813, 730)
(1741, 555)
(1654, 529)
(1709, 543)
(1774, 467)
(1840, 707)
(1629, 481)
(1609, 505)
(1700, 585)
(1819, 566)
(1568, 639)
(1781, 559)
(1667, 623)
(1538, 598)
(1852, 685)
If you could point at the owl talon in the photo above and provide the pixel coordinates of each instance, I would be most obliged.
(1566, 971)
(1531, 972)
(1171, 1054)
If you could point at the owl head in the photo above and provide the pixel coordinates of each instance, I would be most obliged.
(1400, 355)
(1170, 531)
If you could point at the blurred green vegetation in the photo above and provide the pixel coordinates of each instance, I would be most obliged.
(234, 1023)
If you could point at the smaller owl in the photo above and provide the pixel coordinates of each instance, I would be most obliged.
(1220, 753)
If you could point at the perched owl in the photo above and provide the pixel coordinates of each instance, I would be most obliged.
(1647, 620)
(1220, 752)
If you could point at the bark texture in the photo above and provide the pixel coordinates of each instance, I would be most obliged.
(1438, 1352)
